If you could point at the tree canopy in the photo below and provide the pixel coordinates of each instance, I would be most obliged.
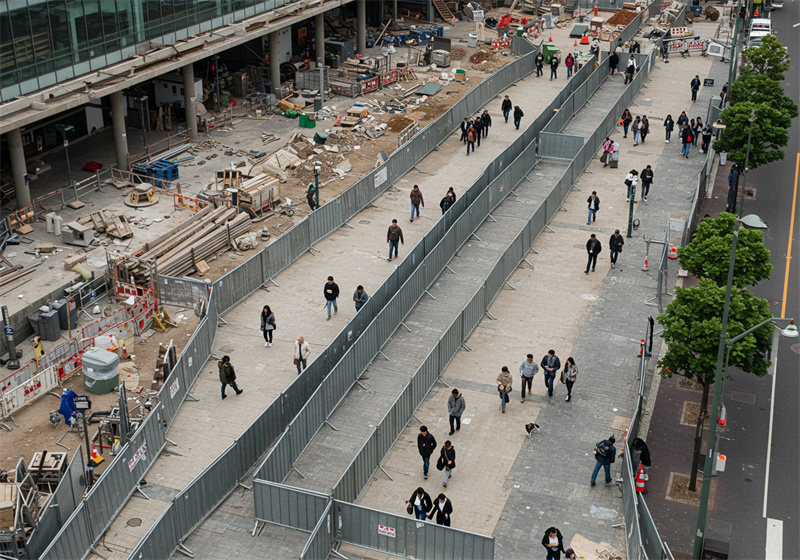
(708, 254)
(770, 133)
(692, 325)
(760, 88)
(770, 59)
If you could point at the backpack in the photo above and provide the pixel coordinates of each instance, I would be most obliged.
(602, 449)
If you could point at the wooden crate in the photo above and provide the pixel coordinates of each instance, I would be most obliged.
(55, 465)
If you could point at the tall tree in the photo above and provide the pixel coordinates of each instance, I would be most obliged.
(708, 254)
(692, 326)
(760, 88)
(770, 59)
(770, 133)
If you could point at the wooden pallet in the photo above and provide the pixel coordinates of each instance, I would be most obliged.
(443, 10)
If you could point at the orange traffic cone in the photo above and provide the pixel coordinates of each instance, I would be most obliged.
(640, 480)
(644, 268)
(124, 352)
(338, 120)
(550, 40)
(576, 43)
(673, 253)
(96, 457)
(641, 348)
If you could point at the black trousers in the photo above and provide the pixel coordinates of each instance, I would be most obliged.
(455, 423)
(267, 335)
(592, 261)
(614, 255)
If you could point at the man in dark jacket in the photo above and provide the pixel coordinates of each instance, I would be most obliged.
(506, 108)
(465, 124)
(227, 376)
(331, 291)
(695, 85)
(550, 366)
(604, 453)
(486, 122)
(593, 248)
(615, 247)
(477, 124)
(593, 203)
(553, 541)
(455, 408)
(426, 443)
(553, 67)
(733, 189)
(644, 455)
(646, 176)
(393, 236)
(442, 509)
(416, 200)
(613, 61)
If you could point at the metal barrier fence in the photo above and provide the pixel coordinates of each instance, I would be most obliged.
(321, 541)
(181, 292)
(562, 146)
(704, 181)
(65, 499)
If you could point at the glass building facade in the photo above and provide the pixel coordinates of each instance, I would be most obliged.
(44, 42)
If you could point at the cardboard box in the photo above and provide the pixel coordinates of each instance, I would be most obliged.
(6, 515)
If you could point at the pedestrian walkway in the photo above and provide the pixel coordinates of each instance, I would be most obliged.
(353, 256)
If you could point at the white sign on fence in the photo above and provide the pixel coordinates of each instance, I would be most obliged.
(173, 388)
(388, 531)
(381, 176)
(140, 454)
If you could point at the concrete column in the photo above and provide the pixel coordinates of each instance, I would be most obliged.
(120, 131)
(274, 65)
(189, 99)
(319, 33)
(18, 170)
(361, 26)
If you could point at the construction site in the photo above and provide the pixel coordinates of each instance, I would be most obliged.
(107, 271)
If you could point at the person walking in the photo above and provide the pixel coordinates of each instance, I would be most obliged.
(644, 457)
(631, 181)
(416, 201)
(477, 124)
(301, 352)
(394, 236)
(486, 122)
(630, 70)
(644, 128)
(697, 130)
(448, 200)
(331, 292)
(593, 248)
(527, 370)
(465, 124)
(606, 155)
(506, 107)
(593, 203)
(695, 85)
(539, 63)
(447, 459)
(227, 376)
(669, 126)
(626, 121)
(470, 139)
(733, 189)
(551, 364)
(420, 503)
(615, 244)
(504, 382)
(426, 443)
(707, 134)
(568, 376)
(604, 454)
(613, 62)
(682, 120)
(647, 179)
(518, 114)
(636, 130)
(312, 203)
(569, 62)
(553, 67)
(553, 541)
(455, 408)
(360, 297)
(267, 324)
(686, 140)
(443, 509)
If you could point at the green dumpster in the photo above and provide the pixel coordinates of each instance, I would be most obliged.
(548, 50)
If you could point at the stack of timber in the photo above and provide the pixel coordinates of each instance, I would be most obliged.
(182, 249)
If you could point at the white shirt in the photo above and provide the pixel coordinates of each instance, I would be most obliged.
(554, 543)
(441, 506)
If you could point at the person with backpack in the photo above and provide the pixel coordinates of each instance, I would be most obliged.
(604, 453)
(227, 376)
(686, 139)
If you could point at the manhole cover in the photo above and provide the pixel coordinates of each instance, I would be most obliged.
(134, 522)
(364, 222)
(796, 348)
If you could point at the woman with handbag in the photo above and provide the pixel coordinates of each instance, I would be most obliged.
(504, 381)
(301, 352)
(419, 504)
(267, 324)
(568, 376)
(447, 461)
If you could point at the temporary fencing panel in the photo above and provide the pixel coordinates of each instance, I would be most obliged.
(162, 538)
(406, 537)
(289, 506)
(321, 541)
(562, 146)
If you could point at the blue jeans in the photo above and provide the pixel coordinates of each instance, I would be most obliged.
(426, 463)
(503, 399)
(448, 472)
(505, 114)
(332, 302)
(606, 467)
(232, 384)
(414, 207)
(636, 137)
(569, 385)
(685, 149)
(569, 71)
(516, 123)
(548, 381)
(470, 145)
(392, 245)
(592, 215)
(625, 127)
(419, 513)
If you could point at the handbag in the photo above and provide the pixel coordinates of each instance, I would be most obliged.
(628, 182)
(409, 508)
(296, 361)
(604, 157)
(440, 464)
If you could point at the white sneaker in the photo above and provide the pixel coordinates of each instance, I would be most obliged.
(269, 344)
(266, 344)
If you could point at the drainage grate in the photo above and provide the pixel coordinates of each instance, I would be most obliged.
(364, 222)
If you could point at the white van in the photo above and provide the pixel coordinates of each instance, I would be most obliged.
(761, 24)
